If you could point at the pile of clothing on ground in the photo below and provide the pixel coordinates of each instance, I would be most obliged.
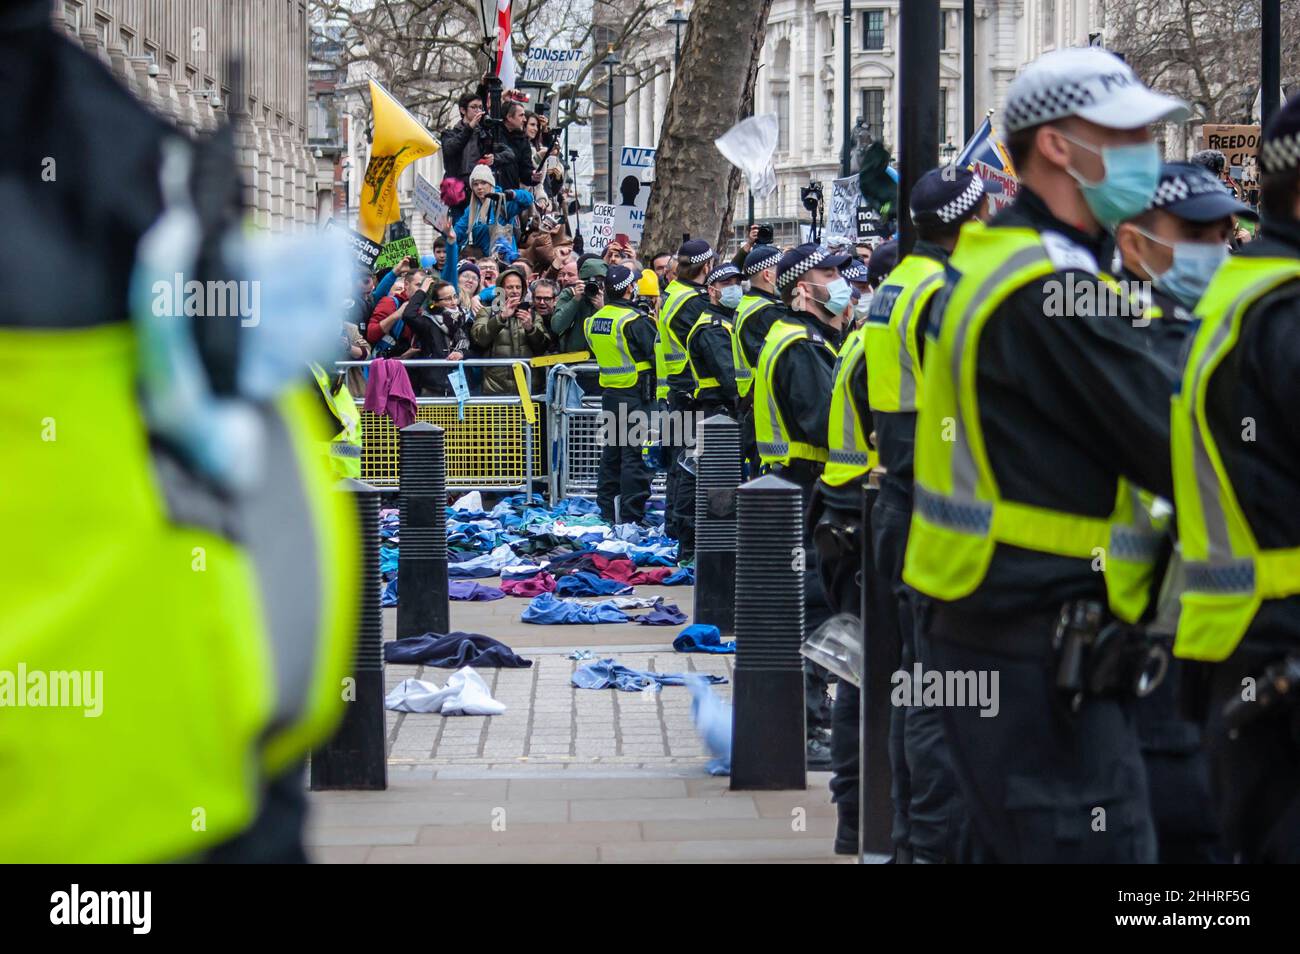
(564, 550)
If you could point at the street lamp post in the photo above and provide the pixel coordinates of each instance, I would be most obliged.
(845, 94)
(487, 11)
(610, 61)
(678, 20)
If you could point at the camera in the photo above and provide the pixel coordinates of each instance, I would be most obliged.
(591, 288)
(811, 196)
(764, 235)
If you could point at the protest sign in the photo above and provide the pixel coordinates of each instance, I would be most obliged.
(553, 66)
(632, 183)
(395, 251)
(365, 249)
(428, 200)
(842, 213)
(600, 228)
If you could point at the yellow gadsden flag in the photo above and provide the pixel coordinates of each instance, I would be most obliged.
(399, 139)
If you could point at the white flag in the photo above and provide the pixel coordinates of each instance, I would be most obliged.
(749, 146)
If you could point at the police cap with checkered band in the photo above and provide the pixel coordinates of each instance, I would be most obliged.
(1279, 148)
(946, 196)
(799, 261)
(1087, 82)
(1192, 192)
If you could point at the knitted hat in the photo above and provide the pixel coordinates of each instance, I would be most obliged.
(648, 286)
(483, 173)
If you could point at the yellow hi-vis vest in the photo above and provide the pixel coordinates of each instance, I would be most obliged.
(344, 449)
(607, 334)
(850, 455)
(750, 305)
(672, 352)
(893, 358)
(1228, 574)
(220, 660)
(703, 382)
(774, 443)
(959, 516)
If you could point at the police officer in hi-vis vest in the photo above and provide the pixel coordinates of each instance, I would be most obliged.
(928, 815)
(680, 306)
(622, 338)
(1169, 253)
(1041, 416)
(1236, 464)
(758, 308)
(184, 551)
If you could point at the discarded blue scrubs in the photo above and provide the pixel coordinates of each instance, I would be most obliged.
(476, 592)
(683, 577)
(453, 650)
(713, 722)
(664, 614)
(589, 584)
(702, 638)
(607, 674)
(546, 609)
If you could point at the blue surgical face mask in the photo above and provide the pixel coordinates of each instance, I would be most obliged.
(838, 294)
(1132, 174)
(1194, 265)
(730, 296)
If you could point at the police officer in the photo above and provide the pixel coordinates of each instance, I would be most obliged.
(1235, 444)
(858, 276)
(708, 345)
(838, 536)
(344, 449)
(758, 308)
(1169, 254)
(792, 395)
(927, 813)
(233, 578)
(622, 339)
(683, 300)
(1037, 410)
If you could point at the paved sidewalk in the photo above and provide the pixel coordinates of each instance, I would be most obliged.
(565, 774)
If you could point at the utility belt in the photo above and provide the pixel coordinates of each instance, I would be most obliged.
(1089, 652)
(1097, 655)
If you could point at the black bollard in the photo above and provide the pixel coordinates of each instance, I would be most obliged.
(356, 757)
(422, 602)
(880, 657)
(768, 740)
(717, 476)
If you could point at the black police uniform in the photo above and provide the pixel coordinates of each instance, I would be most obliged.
(929, 818)
(1068, 405)
(1256, 769)
(623, 474)
(680, 513)
(752, 335)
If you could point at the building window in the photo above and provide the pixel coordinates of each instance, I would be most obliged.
(1049, 23)
(872, 109)
(943, 116)
(873, 30)
(943, 30)
(72, 13)
(781, 101)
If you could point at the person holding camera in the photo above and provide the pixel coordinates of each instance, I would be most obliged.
(508, 330)
(464, 144)
(577, 303)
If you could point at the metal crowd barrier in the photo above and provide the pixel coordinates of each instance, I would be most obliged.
(573, 435)
(494, 447)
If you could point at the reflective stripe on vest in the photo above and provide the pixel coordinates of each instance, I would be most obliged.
(773, 438)
(674, 351)
(850, 457)
(707, 381)
(750, 304)
(606, 332)
(893, 358)
(960, 516)
(1228, 574)
(344, 448)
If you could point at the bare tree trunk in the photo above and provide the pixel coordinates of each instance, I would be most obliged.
(694, 185)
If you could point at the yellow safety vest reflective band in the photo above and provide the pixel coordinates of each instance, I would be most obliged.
(607, 334)
(959, 516)
(893, 357)
(673, 350)
(227, 664)
(344, 449)
(775, 445)
(749, 306)
(1228, 574)
(707, 381)
(850, 455)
